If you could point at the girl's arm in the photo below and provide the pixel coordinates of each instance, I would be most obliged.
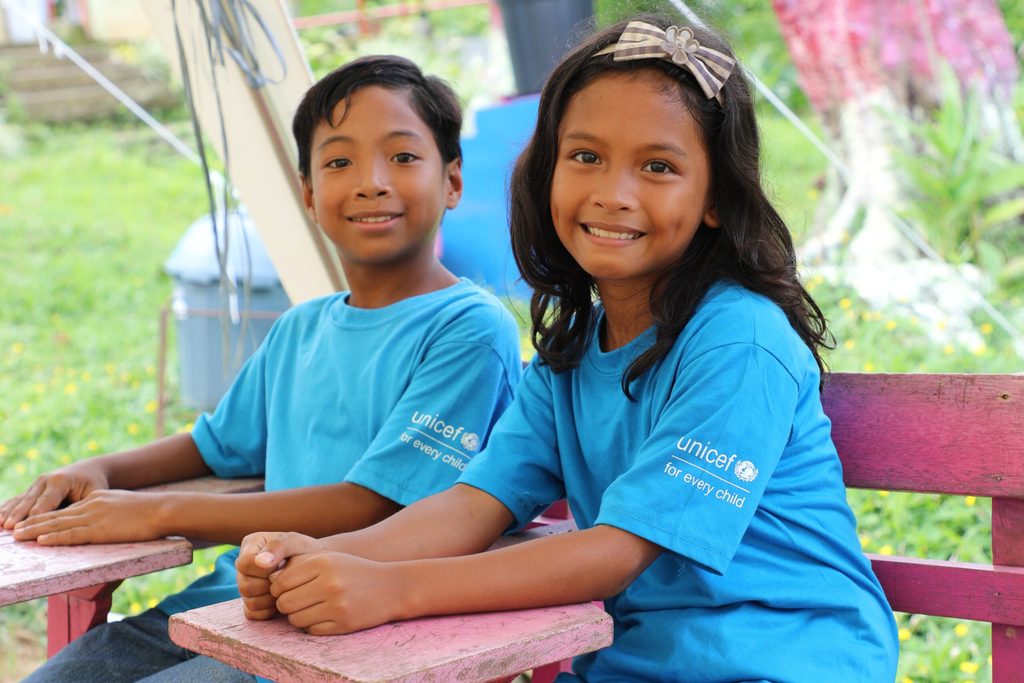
(328, 591)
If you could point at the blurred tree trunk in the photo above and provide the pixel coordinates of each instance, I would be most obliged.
(860, 61)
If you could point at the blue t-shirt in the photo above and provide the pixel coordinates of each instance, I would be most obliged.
(726, 461)
(396, 399)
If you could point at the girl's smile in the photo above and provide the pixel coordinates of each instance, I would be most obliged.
(632, 181)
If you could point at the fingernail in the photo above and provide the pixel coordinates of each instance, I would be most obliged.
(265, 558)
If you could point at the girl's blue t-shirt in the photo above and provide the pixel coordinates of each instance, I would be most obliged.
(396, 399)
(726, 461)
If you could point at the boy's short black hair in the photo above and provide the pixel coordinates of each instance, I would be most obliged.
(431, 98)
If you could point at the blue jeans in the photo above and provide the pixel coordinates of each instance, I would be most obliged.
(134, 649)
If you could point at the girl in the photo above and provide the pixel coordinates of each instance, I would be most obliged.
(679, 412)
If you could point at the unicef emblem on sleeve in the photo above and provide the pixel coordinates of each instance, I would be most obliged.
(746, 471)
(470, 441)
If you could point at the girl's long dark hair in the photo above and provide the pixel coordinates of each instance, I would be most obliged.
(753, 246)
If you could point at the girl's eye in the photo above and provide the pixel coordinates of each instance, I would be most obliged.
(338, 163)
(404, 157)
(585, 157)
(657, 167)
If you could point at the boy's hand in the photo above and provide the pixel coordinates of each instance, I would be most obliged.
(50, 490)
(104, 516)
(329, 593)
(260, 555)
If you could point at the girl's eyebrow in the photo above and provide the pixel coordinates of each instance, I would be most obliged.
(349, 139)
(652, 147)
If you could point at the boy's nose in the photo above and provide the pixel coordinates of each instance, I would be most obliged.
(373, 183)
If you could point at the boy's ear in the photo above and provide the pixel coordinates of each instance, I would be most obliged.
(453, 183)
(711, 217)
(307, 199)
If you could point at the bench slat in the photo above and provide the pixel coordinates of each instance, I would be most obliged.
(478, 647)
(962, 590)
(932, 433)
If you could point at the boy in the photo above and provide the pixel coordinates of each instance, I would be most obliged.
(389, 388)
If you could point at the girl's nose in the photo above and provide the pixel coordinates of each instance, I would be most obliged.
(615, 192)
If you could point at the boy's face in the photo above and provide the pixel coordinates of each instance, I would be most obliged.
(377, 185)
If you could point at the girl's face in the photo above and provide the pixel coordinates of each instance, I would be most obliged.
(631, 181)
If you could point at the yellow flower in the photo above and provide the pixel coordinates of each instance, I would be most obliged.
(869, 367)
(883, 494)
(969, 667)
(152, 603)
(865, 540)
(948, 349)
(135, 607)
(969, 501)
(70, 388)
(979, 350)
(848, 344)
(86, 376)
(32, 453)
(6, 209)
(25, 407)
(865, 315)
(845, 303)
(17, 347)
(151, 407)
(19, 467)
(890, 325)
(906, 679)
(150, 370)
(904, 634)
(986, 328)
(3, 449)
(39, 388)
(960, 630)
(941, 324)
(92, 446)
(109, 368)
(65, 459)
(133, 429)
(885, 550)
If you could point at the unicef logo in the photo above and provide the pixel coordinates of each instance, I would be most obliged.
(746, 471)
(471, 441)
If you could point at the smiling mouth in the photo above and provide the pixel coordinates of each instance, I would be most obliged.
(374, 219)
(612, 234)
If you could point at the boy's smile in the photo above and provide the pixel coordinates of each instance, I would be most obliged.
(631, 181)
(378, 186)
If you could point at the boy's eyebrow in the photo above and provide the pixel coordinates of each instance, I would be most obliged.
(579, 136)
(349, 139)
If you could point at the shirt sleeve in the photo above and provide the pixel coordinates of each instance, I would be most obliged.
(698, 479)
(521, 465)
(440, 422)
(233, 440)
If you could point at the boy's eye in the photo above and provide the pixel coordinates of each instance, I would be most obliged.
(657, 167)
(404, 157)
(585, 157)
(337, 163)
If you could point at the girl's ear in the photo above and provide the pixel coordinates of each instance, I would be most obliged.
(453, 183)
(307, 199)
(711, 217)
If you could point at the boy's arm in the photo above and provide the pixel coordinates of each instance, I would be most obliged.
(111, 516)
(170, 459)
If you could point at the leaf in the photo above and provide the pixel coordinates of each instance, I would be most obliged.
(990, 257)
(1004, 211)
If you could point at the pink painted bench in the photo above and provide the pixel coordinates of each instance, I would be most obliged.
(950, 434)
(79, 581)
(495, 646)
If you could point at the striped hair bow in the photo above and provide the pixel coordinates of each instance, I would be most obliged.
(676, 44)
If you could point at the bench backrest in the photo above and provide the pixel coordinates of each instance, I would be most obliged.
(953, 434)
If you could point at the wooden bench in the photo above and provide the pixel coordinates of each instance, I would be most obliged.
(950, 434)
(928, 433)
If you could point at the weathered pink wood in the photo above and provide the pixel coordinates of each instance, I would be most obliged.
(29, 570)
(1007, 549)
(943, 588)
(210, 485)
(930, 433)
(477, 647)
(71, 614)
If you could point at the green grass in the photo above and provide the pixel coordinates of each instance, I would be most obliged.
(89, 214)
